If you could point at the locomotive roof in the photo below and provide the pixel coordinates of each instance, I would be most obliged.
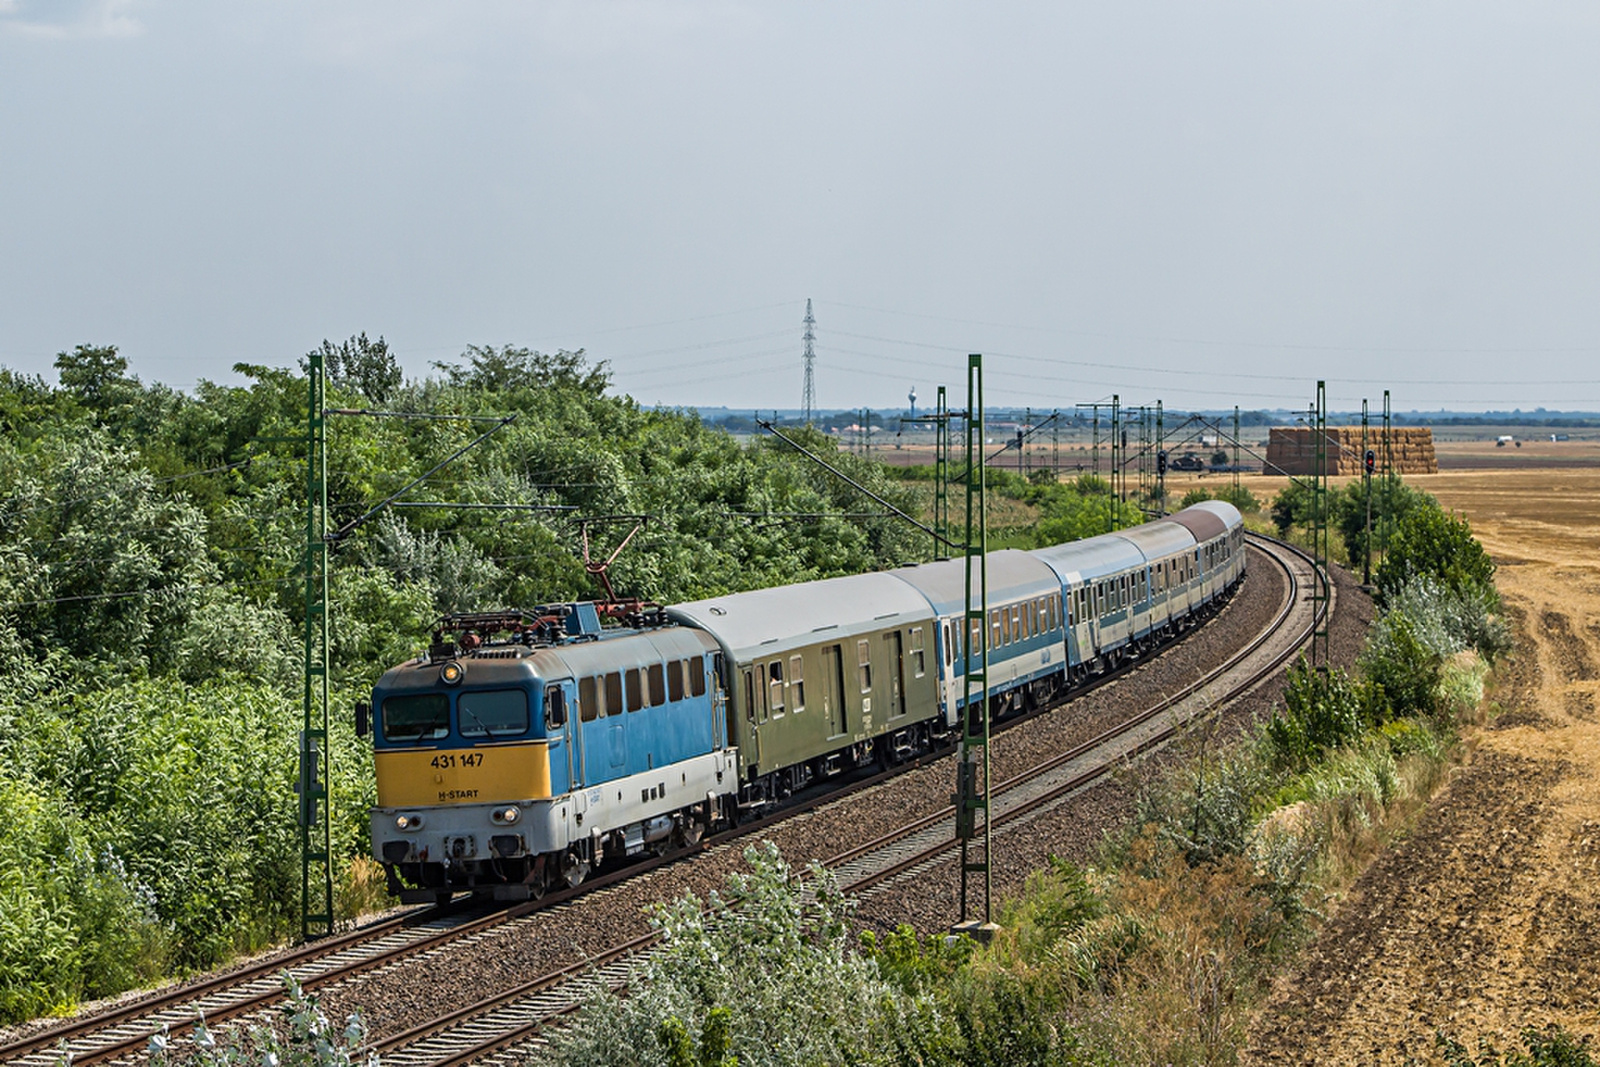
(498, 665)
(1078, 561)
(638, 650)
(1013, 575)
(764, 622)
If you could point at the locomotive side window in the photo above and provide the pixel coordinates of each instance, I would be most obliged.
(416, 718)
(697, 676)
(635, 689)
(555, 707)
(797, 682)
(496, 713)
(588, 699)
(613, 693)
(658, 685)
(864, 665)
(919, 660)
(675, 680)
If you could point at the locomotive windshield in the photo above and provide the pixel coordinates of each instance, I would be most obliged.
(495, 713)
(418, 717)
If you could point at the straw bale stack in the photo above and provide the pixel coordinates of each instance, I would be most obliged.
(1291, 450)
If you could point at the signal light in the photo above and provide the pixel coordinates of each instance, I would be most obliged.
(1371, 460)
(1161, 461)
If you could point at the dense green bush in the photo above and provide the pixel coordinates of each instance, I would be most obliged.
(765, 974)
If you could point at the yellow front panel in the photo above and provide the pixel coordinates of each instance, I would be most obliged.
(484, 774)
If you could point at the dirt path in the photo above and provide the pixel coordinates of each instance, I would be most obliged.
(1486, 918)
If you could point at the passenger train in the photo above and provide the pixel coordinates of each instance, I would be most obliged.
(523, 749)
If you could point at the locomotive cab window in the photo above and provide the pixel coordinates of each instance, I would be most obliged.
(495, 713)
(422, 717)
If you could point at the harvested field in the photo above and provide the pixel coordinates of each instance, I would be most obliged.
(1486, 918)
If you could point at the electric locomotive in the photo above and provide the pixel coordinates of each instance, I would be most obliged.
(521, 750)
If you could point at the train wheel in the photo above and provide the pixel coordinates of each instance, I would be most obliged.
(689, 835)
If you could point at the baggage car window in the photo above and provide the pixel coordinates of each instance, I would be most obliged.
(675, 680)
(496, 713)
(614, 693)
(797, 682)
(658, 685)
(420, 717)
(864, 665)
(697, 676)
(589, 698)
(775, 687)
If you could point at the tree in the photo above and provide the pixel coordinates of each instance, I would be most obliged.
(98, 377)
(367, 367)
(1428, 541)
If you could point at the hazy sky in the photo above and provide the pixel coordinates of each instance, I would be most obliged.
(1203, 203)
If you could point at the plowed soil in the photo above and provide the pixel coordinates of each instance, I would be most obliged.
(1486, 918)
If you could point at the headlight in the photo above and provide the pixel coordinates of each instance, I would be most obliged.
(408, 822)
(451, 673)
(505, 816)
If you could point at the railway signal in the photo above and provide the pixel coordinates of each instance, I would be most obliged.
(1371, 461)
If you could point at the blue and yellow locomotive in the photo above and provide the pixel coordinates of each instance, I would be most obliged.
(521, 750)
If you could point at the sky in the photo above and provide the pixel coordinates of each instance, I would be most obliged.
(1205, 204)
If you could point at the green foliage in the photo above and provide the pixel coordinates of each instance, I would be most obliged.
(763, 975)
(306, 1039)
(1322, 710)
(361, 366)
(1429, 542)
(1082, 508)
(1550, 1047)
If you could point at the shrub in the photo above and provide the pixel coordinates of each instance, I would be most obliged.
(765, 974)
(1429, 542)
(1322, 710)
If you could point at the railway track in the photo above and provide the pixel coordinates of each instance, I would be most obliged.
(504, 1025)
(512, 1026)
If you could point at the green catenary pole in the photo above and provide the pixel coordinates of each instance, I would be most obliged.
(316, 856)
(972, 771)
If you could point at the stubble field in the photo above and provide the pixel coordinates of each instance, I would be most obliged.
(1486, 919)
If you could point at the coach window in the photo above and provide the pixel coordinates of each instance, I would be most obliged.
(994, 628)
(1019, 623)
(864, 665)
(675, 680)
(614, 693)
(775, 686)
(589, 698)
(749, 696)
(658, 685)
(762, 705)
(949, 650)
(919, 659)
(797, 682)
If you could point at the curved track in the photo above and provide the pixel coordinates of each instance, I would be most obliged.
(506, 1024)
